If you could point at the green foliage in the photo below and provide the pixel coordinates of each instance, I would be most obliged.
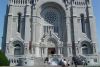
(3, 60)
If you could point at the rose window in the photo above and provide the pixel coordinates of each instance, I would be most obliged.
(50, 16)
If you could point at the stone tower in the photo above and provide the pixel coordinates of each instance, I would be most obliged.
(40, 28)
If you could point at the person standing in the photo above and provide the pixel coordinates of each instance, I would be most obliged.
(46, 60)
(64, 63)
(68, 63)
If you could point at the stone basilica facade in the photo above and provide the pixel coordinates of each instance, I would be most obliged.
(39, 28)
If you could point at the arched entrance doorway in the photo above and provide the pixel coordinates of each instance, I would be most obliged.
(52, 46)
(51, 51)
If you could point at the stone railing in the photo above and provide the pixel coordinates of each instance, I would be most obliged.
(93, 59)
(19, 59)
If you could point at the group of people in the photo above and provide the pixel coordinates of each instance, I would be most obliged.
(75, 60)
(61, 62)
(65, 63)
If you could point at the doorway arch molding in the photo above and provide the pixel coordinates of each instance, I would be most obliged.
(86, 47)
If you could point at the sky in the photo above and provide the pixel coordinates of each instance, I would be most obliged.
(96, 7)
(3, 4)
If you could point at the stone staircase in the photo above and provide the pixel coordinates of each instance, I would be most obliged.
(39, 61)
(45, 66)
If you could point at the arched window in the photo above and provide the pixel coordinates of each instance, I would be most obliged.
(17, 50)
(19, 21)
(82, 23)
(87, 48)
(84, 49)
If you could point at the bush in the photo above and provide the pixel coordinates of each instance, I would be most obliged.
(3, 60)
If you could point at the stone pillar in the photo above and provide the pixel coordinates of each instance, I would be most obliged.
(65, 52)
(26, 49)
(46, 52)
(27, 27)
(68, 30)
(81, 51)
(69, 49)
(94, 48)
(93, 30)
(68, 26)
(76, 36)
(9, 28)
(7, 48)
(10, 9)
(59, 50)
(9, 21)
(37, 51)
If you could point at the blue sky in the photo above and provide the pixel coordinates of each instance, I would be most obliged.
(2, 13)
(96, 5)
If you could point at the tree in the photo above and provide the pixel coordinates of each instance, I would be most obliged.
(3, 60)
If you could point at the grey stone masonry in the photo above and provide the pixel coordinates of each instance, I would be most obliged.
(42, 28)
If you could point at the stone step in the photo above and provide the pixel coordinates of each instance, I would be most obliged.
(38, 61)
